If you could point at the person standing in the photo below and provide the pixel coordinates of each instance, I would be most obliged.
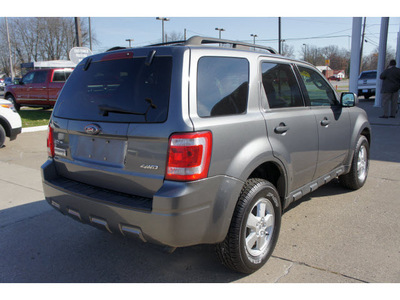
(390, 89)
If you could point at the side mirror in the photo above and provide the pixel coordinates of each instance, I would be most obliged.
(348, 99)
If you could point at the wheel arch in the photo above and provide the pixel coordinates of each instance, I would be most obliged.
(273, 172)
(6, 125)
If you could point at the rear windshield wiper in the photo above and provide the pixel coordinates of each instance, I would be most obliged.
(104, 109)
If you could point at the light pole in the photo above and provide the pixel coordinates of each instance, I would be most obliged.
(162, 20)
(305, 51)
(219, 29)
(129, 40)
(254, 38)
(283, 46)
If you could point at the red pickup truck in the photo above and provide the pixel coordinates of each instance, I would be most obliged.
(38, 88)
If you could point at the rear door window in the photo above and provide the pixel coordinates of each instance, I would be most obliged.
(118, 90)
(40, 77)
(222, 86)
(280, 85)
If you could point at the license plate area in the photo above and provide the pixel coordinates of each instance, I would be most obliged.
(98, 150)
(365, 91)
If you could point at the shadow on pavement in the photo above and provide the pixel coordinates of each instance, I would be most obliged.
(50, 247)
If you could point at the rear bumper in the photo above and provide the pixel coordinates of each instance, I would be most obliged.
(366, 91)
(180, 213)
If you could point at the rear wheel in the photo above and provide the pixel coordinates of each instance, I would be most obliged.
(254, 228)
(357, 176)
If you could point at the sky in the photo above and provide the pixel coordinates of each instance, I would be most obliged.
(307, 22)
(296, 31)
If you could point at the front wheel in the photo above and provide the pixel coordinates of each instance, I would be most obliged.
(2, 136)
(357, 176)
(254, 228)
(12, 99)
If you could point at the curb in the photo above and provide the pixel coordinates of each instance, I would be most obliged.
(34, 129)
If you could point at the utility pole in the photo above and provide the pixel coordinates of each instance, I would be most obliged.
(9, 50)
(184, 34)
(279, 35)
(78, 32)
(362, 42)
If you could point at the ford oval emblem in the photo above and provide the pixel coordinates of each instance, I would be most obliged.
(92, 129)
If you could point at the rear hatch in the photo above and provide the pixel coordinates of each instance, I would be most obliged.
(112, 120)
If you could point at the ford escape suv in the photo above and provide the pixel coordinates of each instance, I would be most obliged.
(188, 143)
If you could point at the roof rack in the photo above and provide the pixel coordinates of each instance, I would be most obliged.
(199, 40)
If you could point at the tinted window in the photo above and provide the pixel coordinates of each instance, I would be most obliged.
(222, 86)
(368, 75)
(280, 86)
(40, 77)
(61, 75)
(28, 78)
(118, 90)
(318, 90)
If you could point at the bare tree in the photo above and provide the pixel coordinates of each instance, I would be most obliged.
(370, 62)
(287, 50)
(36, 39)
(174, 36)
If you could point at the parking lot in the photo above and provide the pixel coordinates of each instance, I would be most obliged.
(332, 235)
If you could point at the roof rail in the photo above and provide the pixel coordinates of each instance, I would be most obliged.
(167, 43)
(199, 40)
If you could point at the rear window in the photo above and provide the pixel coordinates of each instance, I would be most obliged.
(118, 90)
(368, 75)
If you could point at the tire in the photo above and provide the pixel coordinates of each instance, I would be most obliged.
(357, 176)
(12, 99)
(2, 136)
(254, 229)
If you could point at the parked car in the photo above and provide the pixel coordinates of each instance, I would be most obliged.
(8, 81)
(38, 88)
(184, 144)
(367, 83)
(335, 77)
(10, 121)
(2, 84)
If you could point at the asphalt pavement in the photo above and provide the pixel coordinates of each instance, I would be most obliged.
(332, 235)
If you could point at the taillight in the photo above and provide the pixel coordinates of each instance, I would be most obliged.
(50, 142)
(189, 156)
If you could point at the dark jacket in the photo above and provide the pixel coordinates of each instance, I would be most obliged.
(391, 80)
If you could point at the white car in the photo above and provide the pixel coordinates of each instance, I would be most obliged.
(10, 121)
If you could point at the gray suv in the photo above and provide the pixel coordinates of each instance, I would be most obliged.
(204, 141)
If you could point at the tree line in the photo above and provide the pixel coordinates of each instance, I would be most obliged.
(39, 39)
(339, 57)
